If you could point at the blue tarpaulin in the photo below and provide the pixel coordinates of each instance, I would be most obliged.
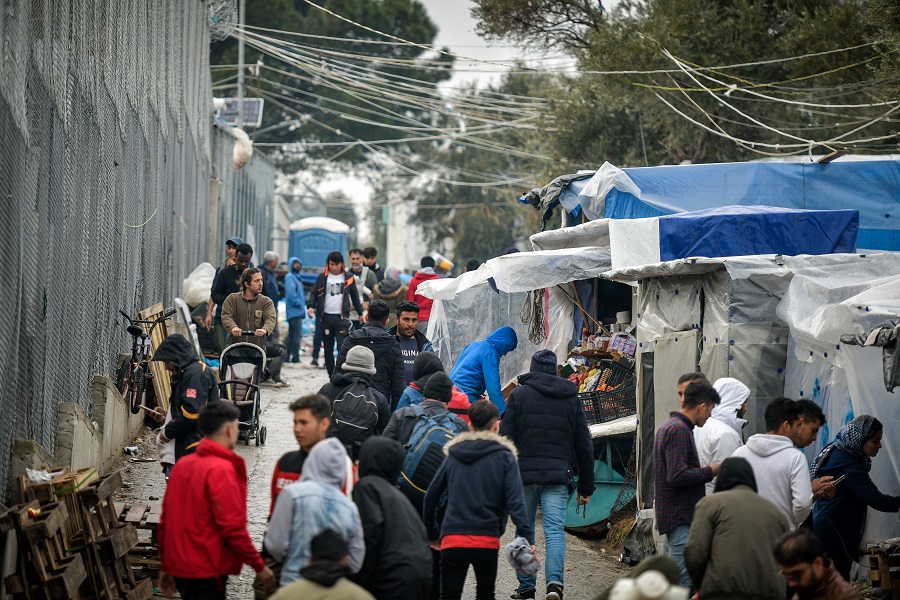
(871, 187)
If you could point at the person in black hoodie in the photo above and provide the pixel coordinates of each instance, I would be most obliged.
(333, 293)
(481, 480)
(397, 552)
(388, 378)
(193, 385)
(544, 418)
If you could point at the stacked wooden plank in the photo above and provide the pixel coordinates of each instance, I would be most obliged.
(144, 517)
(884, 565)
(162, 379)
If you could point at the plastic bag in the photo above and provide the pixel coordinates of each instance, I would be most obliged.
(196, 286)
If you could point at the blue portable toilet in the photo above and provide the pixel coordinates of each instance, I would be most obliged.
(312, 238)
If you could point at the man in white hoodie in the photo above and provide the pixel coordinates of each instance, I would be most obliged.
(721, 435)
(781, 469)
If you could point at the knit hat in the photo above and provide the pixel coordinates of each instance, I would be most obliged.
(361, 360)
(328, 545)
(544, 361)
(426, 363)
(439, 387)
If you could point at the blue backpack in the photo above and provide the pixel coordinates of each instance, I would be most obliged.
(425, 451)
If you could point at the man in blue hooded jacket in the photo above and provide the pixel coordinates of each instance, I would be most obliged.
(478, 369)
(295, 308)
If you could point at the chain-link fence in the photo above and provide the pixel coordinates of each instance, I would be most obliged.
(104, 189)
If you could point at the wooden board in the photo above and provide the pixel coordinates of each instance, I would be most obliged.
(162, 380)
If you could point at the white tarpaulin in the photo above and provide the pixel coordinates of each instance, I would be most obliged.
(593, 234)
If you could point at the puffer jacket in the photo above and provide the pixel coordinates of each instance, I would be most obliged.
(294, 296)
(424, 303)
(392, 293)
(388, 378)
(545, 420)
(478, 368)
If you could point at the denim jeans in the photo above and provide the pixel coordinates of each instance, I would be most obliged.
(673, 547)
(553, 500)
(295, 335)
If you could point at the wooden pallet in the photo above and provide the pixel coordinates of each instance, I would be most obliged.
(143, 516)
(162, 381)
(884, 565)
(63, 487)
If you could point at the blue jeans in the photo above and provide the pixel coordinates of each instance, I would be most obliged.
(553, 500)
(295, 334)
(673, 547)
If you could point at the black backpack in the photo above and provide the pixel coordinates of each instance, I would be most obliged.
(354, 416)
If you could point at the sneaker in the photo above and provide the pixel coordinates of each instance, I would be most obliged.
(314, 363)
(281, 382)
(522, 595)
(554, 592)
(268, 383)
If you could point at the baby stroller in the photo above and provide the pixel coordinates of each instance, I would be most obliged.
(241, 368)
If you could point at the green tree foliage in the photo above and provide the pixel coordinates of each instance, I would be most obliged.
(606, 117)
(313, 94)
(884, 17)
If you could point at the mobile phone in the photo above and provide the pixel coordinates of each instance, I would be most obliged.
(839, 479)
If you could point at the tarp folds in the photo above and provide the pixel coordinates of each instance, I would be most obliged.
(591, 234)
(886, 336)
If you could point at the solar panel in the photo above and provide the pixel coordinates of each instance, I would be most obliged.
(253, 109)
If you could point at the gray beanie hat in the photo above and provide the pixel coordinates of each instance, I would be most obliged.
(544, 361)
(360, 360)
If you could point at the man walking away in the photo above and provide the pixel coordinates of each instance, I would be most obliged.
(412, 341)
(809, 572)
(545, 420)
(481, 481)
(392, 292)
(270, 285)
(426, 273)
(365, 283)
(203, 534)
(295, 308)
(388, 376)
(677, 475)
(307, 508)
(781, 469)
(334, 292)
(325, 578)
(721, 435)
(732, 518)
(193, 386)
(397, 550)
(478, 368)
(370, 257)
(358, 410)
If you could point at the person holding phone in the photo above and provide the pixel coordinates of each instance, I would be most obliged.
(839, 522)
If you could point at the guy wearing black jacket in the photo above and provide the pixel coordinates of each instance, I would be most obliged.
(546, 422)
(397, 552)
(193, 385)
(333, 292)
(389, 376)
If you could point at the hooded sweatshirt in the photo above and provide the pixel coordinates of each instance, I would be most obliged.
(397, 554)
(735, 517)
(782, 474)
(193, 385)
(425, 304)
(294, 296)
(720, 436)
(481, 479)
(478, 368)
(307, 508)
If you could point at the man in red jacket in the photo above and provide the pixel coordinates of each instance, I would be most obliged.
(203, 526)
(426, 273)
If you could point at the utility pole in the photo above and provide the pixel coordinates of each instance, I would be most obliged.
(240, 77)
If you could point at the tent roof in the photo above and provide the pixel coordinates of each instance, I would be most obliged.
(325, 223)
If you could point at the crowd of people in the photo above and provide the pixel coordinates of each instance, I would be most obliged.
(406, 475)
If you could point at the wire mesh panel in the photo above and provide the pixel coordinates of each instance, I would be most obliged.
(104, 189)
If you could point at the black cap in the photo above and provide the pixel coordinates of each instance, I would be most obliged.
(439, 387)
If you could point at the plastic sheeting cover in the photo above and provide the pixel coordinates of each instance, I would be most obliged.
(590, 234)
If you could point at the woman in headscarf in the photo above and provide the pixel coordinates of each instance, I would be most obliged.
(839, 522)
(392, 292)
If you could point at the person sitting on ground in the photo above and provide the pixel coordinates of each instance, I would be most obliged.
(388, 376)
(358, 409)
(721, 435)
(412, 341)
(202, 536)
(193, 386)
(483, 488)
(426, 273)
(809, 572)
(392, 292)
(781, 469)
(735, 517)
(307, 508)
(477, 370)
(839, 521)
(425, 365)
(326, 576)
(397, 552)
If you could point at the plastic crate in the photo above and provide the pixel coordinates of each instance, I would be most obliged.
(615, 404)
(589, 404)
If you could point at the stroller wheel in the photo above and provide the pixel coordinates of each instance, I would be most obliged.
(247, 439)
(262, 436)
(257, 436)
